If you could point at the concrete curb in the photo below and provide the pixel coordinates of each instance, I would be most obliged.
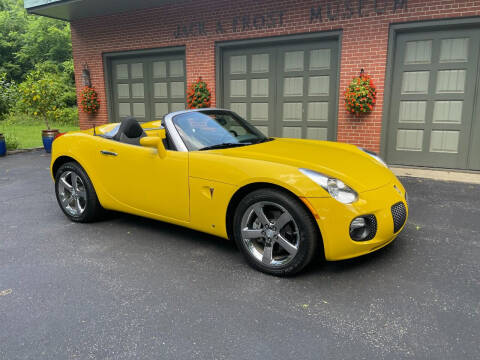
(19, 151)
(441, 175)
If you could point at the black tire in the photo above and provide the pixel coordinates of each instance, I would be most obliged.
(306, 239)
(92, 211)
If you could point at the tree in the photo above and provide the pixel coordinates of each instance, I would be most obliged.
(8, 94)
(44, 39)
(27, 40)
(13, 22)
(40, 95)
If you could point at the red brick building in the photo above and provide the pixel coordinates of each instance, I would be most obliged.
(284, 66)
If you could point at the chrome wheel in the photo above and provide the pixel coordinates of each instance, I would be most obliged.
(72, 193)
(270, 233)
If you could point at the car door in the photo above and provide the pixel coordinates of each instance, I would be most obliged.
(139, 179)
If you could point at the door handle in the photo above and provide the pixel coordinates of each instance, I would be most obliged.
(111, 153)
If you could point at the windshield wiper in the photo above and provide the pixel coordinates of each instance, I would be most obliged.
(263, 140)
(223, 146)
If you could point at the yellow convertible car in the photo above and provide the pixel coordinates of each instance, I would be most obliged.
(210, 170)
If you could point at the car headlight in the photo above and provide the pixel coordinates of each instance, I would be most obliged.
(335, 187)
(375, 156)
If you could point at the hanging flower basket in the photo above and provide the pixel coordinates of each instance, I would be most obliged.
(198, 95)
(361, 95)
(90, 102)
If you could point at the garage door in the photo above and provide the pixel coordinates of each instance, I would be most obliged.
(287, 90)
(434, 120)
(147, 87)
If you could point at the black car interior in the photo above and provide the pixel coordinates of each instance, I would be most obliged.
(129, 131)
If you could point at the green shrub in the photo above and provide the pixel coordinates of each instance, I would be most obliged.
(8, 95)
(67, 116)
(11, 141)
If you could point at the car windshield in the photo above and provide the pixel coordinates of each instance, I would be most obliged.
(215, 129)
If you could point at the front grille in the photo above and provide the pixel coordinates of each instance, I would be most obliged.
(371, 221)
(399, 214)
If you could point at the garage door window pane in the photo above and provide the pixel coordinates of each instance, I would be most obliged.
(122, 71)
(177, 89)
(317, 111)
(177, 106)
(137, 71)
(320, 59)
(444, 141)
(448, 112)
(294, 61)
(160, 110)
(263, 129)
(124, 109)
(454, 50)
(318, 85)
(412, 111)
(260, 63)
(160, 69)
(176, 68)
(238, 88)
(415, 82)
(138, 90)
(160, 90)
(292, 111)
(418, 52)
(123, 91)
(239, 108)
(139, 110)
(259, 87)
(259, 112)
(317, 133)
(451, 81)
(238, 64)
(293, 86)
(410, 140)
(292, 132)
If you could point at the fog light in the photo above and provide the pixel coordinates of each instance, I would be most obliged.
(363, 228)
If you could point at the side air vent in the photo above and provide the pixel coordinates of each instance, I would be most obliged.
(399, 214)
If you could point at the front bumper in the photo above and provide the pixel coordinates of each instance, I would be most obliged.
(334, 220)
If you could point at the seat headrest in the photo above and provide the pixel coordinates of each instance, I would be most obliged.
(130, 128)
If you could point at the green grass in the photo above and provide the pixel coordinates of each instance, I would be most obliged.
(30, 136)
(29, 132)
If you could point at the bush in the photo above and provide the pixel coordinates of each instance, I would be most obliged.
(8, 95)
(67, 116)
(40, 95)
(11, 141)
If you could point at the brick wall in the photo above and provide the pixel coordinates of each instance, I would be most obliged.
(365, 26)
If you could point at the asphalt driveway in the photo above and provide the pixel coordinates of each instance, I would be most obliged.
(132, 288)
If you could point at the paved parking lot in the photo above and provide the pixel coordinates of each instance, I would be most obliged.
(133, 288)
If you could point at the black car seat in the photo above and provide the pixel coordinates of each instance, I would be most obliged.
(130, 132)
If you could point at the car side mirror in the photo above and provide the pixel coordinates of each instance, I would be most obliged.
(155, 142)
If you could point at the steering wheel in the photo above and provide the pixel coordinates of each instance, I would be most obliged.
(233, 132)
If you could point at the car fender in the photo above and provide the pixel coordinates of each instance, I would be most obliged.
(239, 172)
(81, 148)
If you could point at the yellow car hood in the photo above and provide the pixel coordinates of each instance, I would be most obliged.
(343, 161)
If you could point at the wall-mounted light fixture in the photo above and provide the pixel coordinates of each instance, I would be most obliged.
(86, 76)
